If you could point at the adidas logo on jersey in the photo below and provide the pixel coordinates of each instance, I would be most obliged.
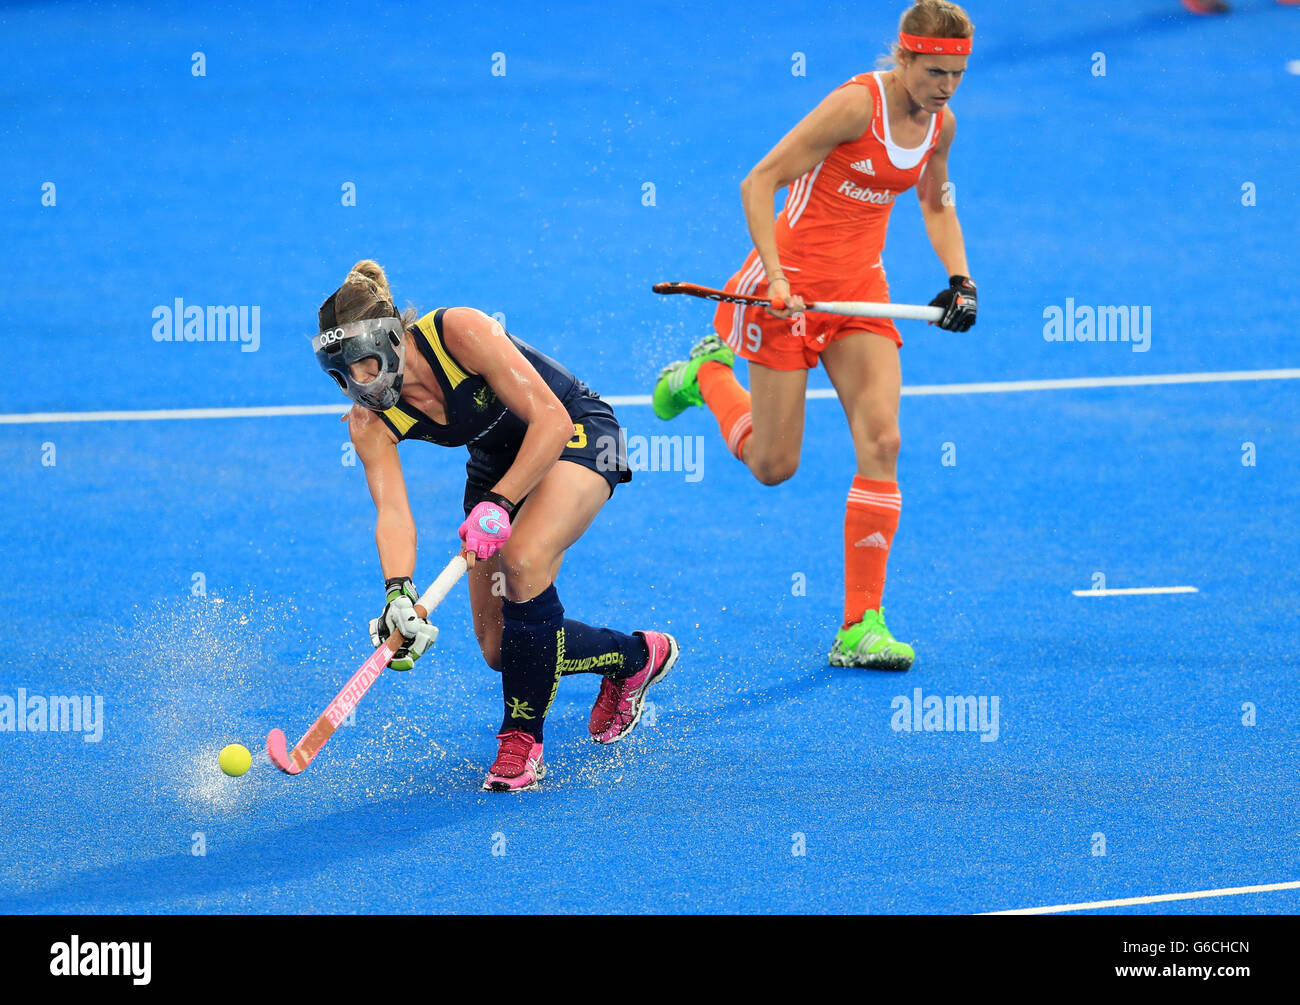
(864, 166)
(871, 195)
(876, 540)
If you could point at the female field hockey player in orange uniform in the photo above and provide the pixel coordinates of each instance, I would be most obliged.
(869, 141)
(545, 453)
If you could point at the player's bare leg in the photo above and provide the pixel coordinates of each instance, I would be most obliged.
(777, 398)
(865, 370)
(486, 591)
(558, 512)
(763, 426)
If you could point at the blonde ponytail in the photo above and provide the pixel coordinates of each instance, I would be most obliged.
(370, 274)
(365, 293)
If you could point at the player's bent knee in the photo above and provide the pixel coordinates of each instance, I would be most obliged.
(528, 571)
(492, 653)
(774, 470)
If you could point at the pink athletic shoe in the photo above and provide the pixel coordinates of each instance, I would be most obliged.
(518, 767)
(619, 704)
(605, 707)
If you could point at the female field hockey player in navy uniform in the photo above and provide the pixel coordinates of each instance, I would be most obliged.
(545, 453)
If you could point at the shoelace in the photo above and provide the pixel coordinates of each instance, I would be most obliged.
(513, 755)
(607, 700)
(876, 631)
(625, 703)
(624, 698)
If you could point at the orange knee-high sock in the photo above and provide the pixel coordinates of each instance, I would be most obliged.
(729, 403)
(870, 520)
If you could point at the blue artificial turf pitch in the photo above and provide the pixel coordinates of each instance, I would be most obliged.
(764, 780)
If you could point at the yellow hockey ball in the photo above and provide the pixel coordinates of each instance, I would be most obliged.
(235, 759)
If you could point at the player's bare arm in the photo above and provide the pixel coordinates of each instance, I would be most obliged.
(395, 534)
(841, 116)
(938, 208)
(480, 343)
(939, 211)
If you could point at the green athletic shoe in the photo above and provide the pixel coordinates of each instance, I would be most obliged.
(678, 386)
(869, 645)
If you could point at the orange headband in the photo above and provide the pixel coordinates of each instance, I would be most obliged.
(935, 46)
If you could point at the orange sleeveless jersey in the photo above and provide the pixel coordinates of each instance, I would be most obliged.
(830, 236)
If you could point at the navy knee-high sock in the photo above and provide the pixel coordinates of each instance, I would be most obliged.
(529, 660)
(539, 646)
(600, 650)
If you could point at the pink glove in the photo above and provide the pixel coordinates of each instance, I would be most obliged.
(485, 530)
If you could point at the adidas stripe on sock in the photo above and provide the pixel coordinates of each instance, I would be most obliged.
(870, 520)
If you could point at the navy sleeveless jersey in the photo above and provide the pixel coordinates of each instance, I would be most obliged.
(475, 416)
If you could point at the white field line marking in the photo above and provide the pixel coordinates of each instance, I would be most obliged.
(1160, 898)
(817, 394)
(1135, 591)
(1069, 383)
(41, 418)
